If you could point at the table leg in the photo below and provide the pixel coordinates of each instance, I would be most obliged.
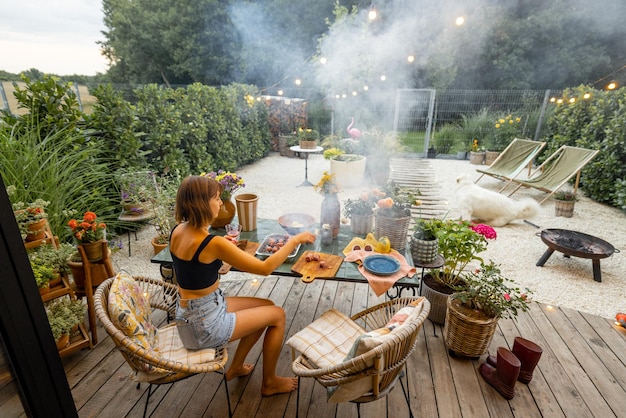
(306, 171)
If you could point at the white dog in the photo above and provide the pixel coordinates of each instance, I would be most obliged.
(492, 208)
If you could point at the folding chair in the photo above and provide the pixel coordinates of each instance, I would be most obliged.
(517, 155)
(558, 169)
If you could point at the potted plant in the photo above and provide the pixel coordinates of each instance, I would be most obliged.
(424, 243)
(474, 310)
(307, 138)
(43, 274)
(31, 217)
(63, 315)
(360, 211)
(89, 233)
(345, 163)
(55, 258)
(393, 215)
(460, 242)
(162, 205)
(477, 153)
(137, 188)
(564, 202)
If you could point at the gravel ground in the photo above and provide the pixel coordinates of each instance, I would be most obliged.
(566, 282)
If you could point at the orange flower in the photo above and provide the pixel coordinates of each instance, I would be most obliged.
(385, 203)
(89, 216)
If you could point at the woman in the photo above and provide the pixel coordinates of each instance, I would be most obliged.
(204, 317)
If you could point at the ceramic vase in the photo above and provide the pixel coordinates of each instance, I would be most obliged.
(361, 224)
(225, 215)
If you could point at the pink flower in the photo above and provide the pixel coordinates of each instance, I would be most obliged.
(507, 297)
(484, 230)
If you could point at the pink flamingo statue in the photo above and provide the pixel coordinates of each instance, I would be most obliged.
(353, 132)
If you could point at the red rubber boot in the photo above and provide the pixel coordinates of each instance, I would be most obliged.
(504, 375)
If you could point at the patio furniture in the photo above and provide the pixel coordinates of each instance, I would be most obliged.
(358, 359)
(124, 306)
(517, 155)
(558, 169)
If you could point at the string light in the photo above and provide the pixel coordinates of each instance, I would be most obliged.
(372, 14)
(612, 85)
(298, 82)
(411, 58)
(460, 20)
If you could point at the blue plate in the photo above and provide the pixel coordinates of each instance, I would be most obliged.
(381, 265)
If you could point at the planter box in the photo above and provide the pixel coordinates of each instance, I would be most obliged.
(349, 173)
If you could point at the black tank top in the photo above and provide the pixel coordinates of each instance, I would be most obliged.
(194, 275)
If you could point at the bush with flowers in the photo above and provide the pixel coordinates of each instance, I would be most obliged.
(488, 291)
(565, 195)
(506, 129)
(327, 184)
(231, 182)
(88, 230)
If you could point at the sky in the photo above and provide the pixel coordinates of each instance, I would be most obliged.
(54, 36)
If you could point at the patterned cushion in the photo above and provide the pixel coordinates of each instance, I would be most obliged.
(327, 340)
(130, 311)
(171, 347)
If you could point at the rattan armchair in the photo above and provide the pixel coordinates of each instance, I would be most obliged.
(380, 367)
(149, 365)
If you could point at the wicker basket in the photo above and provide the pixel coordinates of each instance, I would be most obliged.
(396, 229)
(564, 208)
(308, 144)
(424, 251)
(467, 332)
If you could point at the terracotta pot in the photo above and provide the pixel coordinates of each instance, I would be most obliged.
(156, 246)
(63, 341)
(98, 273)
(225, 215)
(36, 230)
(45, 289)
(93, 250)
(56, 281)
(490, 157)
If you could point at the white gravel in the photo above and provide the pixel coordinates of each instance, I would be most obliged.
(566, 282)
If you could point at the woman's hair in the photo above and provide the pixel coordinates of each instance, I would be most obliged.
(192, 200)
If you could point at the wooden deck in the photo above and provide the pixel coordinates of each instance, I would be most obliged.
(582, 372)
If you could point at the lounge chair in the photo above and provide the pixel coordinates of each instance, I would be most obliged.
(558, 169)
(517, 155)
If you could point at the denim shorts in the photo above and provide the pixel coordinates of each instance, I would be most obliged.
(204, 322)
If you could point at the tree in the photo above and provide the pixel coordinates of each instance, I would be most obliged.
(170, 42)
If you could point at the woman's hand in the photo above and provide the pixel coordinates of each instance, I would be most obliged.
(305, 237)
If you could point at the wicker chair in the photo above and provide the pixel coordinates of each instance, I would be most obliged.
(380, 367)
(151, 366)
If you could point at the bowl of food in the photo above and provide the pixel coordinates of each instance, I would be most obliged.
(294, 223)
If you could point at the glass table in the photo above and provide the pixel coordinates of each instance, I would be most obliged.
(348, 272)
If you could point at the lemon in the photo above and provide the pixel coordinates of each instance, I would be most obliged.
(383, 246)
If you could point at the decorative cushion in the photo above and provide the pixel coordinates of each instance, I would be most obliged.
(130, 311)
(327, 340)
(171, 347)
(367, 342)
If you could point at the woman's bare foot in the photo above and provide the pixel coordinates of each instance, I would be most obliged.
(279, 385)
(244, 370)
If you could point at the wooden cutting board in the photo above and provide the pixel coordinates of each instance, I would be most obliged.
(250, 248)
(311, 270)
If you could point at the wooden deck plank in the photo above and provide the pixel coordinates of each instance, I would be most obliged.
(581, 373)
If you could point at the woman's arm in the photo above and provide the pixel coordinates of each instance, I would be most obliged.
(241, 260)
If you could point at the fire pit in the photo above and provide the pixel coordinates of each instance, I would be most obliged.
(577, 244)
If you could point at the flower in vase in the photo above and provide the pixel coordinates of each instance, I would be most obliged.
(362, 205)
(230, 182)
(327, 184)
